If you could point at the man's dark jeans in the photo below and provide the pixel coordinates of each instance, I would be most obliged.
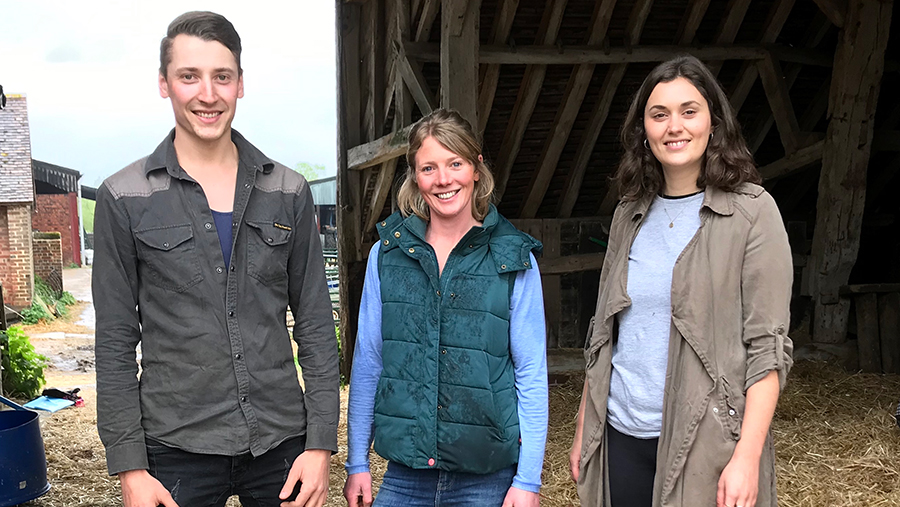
(206, 480)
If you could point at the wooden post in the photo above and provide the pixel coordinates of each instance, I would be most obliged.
(867, 332)
(349, 209)
(551, 283)
(856, 81)
(459, 57)
(889, 331)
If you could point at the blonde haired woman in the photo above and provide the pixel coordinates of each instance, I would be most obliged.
(449, 371)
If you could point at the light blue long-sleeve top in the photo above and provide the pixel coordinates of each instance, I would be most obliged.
(529, 355)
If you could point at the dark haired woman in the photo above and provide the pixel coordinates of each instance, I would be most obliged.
(688, 348)
(450, 370)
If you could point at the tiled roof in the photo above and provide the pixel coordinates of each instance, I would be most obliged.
(16, 184)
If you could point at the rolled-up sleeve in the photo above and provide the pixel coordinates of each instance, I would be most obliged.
(766, 278)
(114, 287)
(317, 350)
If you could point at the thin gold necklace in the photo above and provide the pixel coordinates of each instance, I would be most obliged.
(672, 220)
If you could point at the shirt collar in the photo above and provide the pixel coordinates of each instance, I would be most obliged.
(164, 157)
(714, 198)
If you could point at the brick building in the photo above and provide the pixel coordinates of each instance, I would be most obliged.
(16, 203)
(56, 207)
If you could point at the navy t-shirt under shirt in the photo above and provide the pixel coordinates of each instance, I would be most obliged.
(223, 227)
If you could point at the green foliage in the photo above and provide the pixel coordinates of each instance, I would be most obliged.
(23, 368)
(37, 312)
(87, 215)
(47, 304)
(310, 171)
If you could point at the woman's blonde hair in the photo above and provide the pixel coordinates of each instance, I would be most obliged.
(454, 133)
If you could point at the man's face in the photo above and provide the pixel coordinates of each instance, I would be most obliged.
(203, 81)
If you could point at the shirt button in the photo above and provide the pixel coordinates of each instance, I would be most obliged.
(431, 462)
(237, 356)
(231, 314)
(503, 266)
(386, 242)
(270, 240)
(444, 351)
(165, 245)
(219, 270)
(439, 293)
(731, 412)
(246, 185)
(471, 246)
(397, 234)
(412, 250)
(383, 224)
(207, 225)
(243, 399)
(231, 268)
(440, 407)
(715, 410)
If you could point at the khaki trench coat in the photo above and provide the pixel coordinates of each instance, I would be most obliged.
(731, 290)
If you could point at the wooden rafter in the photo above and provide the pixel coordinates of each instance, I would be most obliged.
(414, 79)
(728, 29)
(529, 91)
(572, 100)
(780, 102)
(691, 22)
(778, 15)
(459, 56)
(430, 10)
(817, 31)
(793, 162)
(378, 151)
(600, 55)
(835, 10)
(373, 68)
(503, 21)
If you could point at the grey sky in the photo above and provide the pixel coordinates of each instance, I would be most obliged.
(89, 70)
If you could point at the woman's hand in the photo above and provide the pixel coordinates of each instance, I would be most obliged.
(516, 497)
(575, 453)
(358, 490)
(739, 482)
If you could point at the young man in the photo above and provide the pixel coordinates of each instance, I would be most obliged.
(200, 247)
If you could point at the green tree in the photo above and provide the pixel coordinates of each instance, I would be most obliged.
(309, 171)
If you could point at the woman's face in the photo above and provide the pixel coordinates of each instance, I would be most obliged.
(677, 122)
(445, 180)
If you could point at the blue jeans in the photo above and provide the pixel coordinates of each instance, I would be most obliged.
(208, 480)
(408, 487)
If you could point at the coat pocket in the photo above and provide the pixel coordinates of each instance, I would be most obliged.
(267, 250)
(168, 258)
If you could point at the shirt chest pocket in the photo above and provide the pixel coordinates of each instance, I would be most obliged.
(268, 246)
(168, 257)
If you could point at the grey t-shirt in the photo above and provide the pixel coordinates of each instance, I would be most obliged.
(640, 354)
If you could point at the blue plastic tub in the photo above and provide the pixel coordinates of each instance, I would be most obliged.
(23, 465)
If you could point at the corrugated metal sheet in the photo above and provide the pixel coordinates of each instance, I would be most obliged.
(324, 191)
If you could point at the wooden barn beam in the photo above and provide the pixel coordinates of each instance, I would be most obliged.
(728, 29)
(780, 102)
(503, 21)
(691, 22)
(817, 31)
(855, 85)
(572, 264)
(373, 68)
(793, 162)
(747, 77)
(589, 139)
(378, 151)
(600, 55)
(414, 79)
(607, 94)
(573, 97)
(529, 91)
(430, 9)
(459, 56)
(834, 10)
(349, 133)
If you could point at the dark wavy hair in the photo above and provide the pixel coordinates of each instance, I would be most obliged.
(206, 25)
(727, 162)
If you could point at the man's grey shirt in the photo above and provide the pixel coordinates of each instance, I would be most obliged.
(217, 368)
